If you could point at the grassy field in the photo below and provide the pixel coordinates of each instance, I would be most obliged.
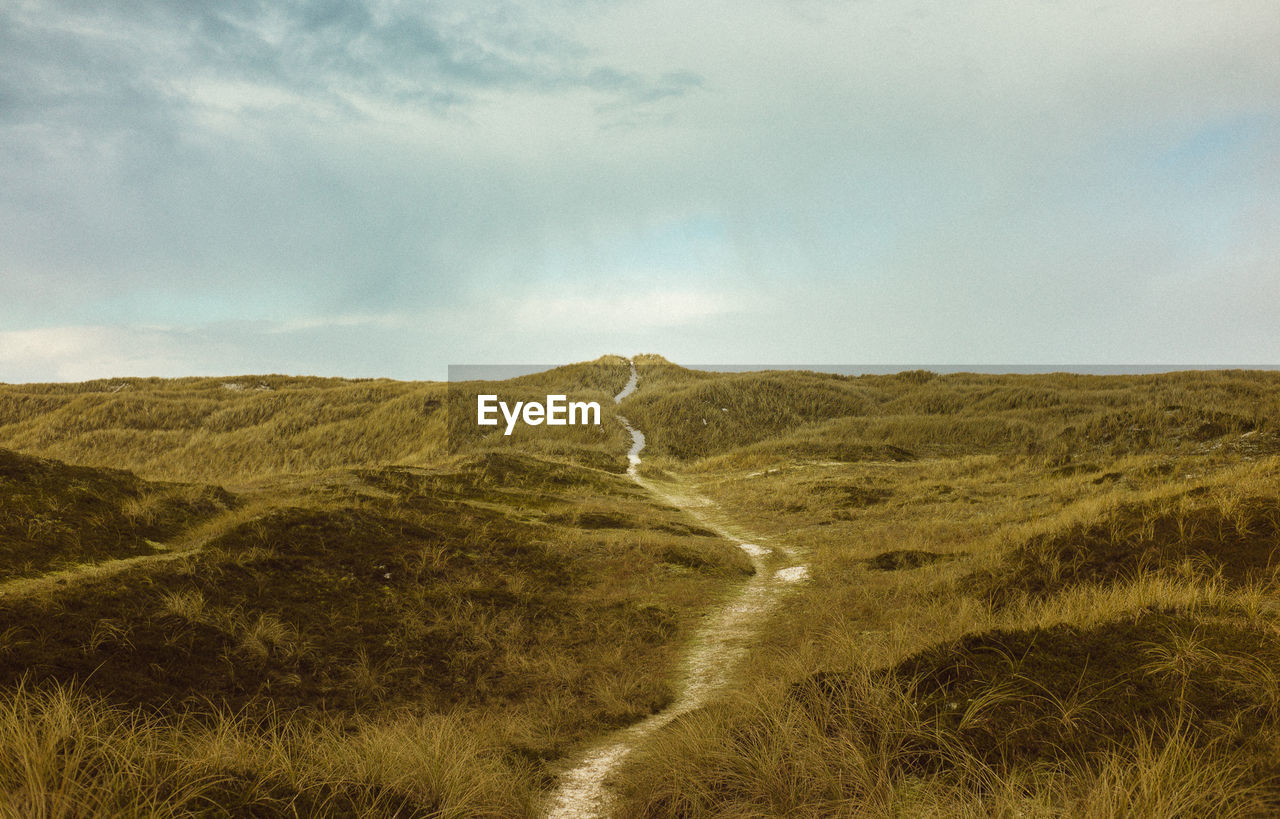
(1034, 595)
(1031, 595)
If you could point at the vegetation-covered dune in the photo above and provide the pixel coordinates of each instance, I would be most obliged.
(245, 428)
(1031, 595)
(1026, 595)
(693, 415)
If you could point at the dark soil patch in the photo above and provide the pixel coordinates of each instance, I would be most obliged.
(686, 529)
(899, 559)
(860, 497)
(595, 520)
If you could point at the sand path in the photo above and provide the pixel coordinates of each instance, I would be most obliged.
(713, 655)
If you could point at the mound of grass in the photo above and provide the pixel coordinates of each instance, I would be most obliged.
(525, 482)
(598, 516)
(1164, 714)
(1019, 697)
(806, 444)
(53, 515)
(225, 429)
(1143, 428)
(334, 610)
(712, 416)
(1194, 533)
(595, 519)
(707, 554)
(606, 375)
(1054, 698)
(795, 414)
(441, 590)
(507, 470)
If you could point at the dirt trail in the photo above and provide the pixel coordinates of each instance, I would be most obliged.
(713, 655)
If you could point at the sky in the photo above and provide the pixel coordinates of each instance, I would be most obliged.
(384, 189)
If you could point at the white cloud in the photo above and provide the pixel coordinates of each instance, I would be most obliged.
(81, 353)
(897, 180)
(310, 347)
(383, 320)
(621, 310)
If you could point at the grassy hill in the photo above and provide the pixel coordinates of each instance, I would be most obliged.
(530, 602)
(53, 516)
(1029, 594)
(691, 416)
(245, 428)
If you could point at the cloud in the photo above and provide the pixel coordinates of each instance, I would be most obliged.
(83, 353)
(658, 309)
(351, 346)
(121, 61)
(385, 321)
(896, 180)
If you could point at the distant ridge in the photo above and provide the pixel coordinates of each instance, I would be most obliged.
(986, 369)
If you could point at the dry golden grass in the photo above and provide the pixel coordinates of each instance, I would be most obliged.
(471, 621)
(759, 759)
(956, 528)
(245, 429)
(68, 755)
(962, 513)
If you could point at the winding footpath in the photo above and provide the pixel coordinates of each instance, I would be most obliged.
(723, 640)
